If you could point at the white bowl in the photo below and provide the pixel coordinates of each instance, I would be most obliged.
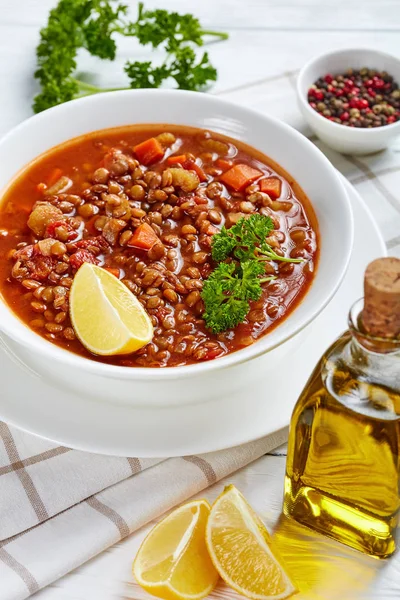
(348, 140)
(198, 382)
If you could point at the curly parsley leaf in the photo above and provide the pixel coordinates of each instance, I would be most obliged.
(99, 29)
(233, 284)
(143, 75)
(95, 25)
(242, 239)
(189, 73)
(56, 53)
(225, 306)
(250, 282)
(222, 245)
(155, 27)
(249, 234)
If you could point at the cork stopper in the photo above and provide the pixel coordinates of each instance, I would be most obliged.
(381, 313)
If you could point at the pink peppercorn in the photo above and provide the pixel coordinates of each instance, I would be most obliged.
(378, 83)
(362, 103)
(357, 98)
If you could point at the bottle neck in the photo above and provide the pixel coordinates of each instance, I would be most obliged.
(363, 373)
(367, 343)
(375, 359)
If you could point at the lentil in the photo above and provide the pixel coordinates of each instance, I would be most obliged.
(38, 307)
(54, 327)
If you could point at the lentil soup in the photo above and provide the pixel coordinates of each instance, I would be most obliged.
(144, 202)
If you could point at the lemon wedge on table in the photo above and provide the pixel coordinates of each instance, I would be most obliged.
(107, 318)
(173, 562)
(242, 551)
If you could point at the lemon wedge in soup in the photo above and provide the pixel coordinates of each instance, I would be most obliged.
(107, 318)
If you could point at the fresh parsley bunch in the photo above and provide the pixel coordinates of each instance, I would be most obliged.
(95, 25)
(240, 252)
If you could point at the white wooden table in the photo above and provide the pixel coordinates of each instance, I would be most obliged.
(267, 38)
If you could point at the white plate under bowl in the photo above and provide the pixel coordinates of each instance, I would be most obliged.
(28, 402)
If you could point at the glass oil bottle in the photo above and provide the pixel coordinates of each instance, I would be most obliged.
(343, 466)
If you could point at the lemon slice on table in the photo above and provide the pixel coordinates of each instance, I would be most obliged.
(173, 562)
(242, 551)
(107, 318)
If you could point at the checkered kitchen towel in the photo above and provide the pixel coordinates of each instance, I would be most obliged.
(60, 507)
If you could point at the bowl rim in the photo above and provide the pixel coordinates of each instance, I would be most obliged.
(71, 360)
(335, 127)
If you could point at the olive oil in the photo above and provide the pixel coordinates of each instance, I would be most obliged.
(342, 476)
(343, 466)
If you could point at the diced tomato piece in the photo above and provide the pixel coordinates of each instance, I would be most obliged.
(51, 230)
(173, 160)
(149, 151)
(40, 267)
(144, 237)
(213, 353)
(190, 165)
(98, 241)
(240, 176)
(271, 186)
(24, 253)
(82, 256)
(115, 272)
(223, 164)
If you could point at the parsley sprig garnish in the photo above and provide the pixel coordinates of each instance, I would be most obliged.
(240, 252)
(94, 25)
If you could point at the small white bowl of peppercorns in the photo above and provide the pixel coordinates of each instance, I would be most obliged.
(351, 99)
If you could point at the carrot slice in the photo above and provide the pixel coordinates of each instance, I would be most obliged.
(173, 160)
(240, 176)
(190, 165)
(144, 237)
(115, 272)
(271, 186)
(223, 164)
(54, 176)
(149, 151)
